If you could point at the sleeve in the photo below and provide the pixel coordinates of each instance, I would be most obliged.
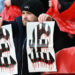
(15, 28)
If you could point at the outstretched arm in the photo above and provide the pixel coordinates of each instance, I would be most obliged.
(13, 23)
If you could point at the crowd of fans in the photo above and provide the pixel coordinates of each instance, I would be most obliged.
(37, 12)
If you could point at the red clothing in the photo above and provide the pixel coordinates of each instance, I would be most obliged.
(66, 19)
(10, 13)
(65, 61)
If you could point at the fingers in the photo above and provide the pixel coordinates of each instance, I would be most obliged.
(44, 17)
(40, 18)
(1, 20)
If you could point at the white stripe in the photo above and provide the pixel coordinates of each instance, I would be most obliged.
(37, 56)
(4, 32)
(40, 41)
(35, 37)
(6, 46)
(8, 58)
(42, 55)
(32, 57)
(46, 41)
(2, 60)
(46, 27)
(40, 26)
(48, 56)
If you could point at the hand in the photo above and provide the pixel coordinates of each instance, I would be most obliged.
(7, 3)
(1, 20)
(44, 17)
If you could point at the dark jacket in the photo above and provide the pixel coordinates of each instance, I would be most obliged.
(19, 34)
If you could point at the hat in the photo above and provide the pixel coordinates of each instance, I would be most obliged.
(34, 6)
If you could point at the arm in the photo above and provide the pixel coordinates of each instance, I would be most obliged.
(15, 29)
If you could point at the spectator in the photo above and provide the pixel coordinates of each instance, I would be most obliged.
(1, 5)
(61, 39)
(6, 13)
(19, 32)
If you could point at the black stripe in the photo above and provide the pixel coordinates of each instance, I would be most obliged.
(0, 53)
(51, 58)
(0, 63)
(3, 48)
(13, 62)
(1, 33)
(6, 61)
(45, 57)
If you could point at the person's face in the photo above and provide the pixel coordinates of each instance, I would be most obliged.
(28, 17)
(7, 2)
